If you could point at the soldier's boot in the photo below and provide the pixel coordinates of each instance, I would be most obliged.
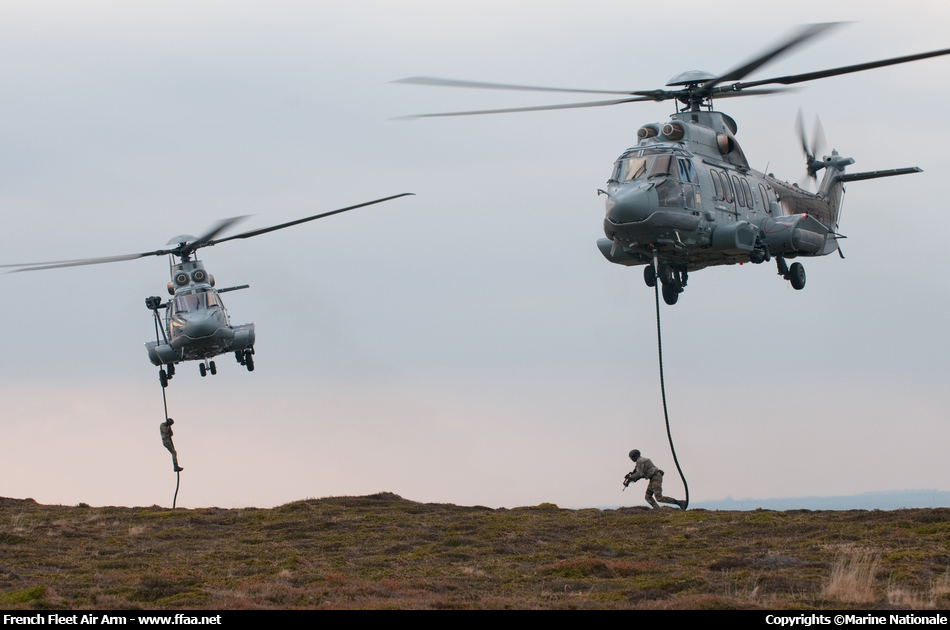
(682, 504)
(178, 469)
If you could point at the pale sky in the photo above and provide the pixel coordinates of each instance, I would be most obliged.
(470, 344)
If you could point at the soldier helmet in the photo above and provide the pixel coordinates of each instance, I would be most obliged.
(634, 454)
(170, 422)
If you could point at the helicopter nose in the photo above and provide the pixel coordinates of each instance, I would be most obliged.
(201, 324)
(628, 204)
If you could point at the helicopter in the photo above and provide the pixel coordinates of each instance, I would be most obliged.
(196, 325)
(685, 198)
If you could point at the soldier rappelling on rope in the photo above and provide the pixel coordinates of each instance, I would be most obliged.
(167, 433)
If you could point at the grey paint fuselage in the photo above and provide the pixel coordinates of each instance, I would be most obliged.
(703, 205)
(196, 324)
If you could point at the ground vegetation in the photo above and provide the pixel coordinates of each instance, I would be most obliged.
(383, 551)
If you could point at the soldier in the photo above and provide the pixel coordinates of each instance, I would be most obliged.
(646, 470)
(166, 429)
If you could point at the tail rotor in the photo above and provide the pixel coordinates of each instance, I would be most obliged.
(813, 164)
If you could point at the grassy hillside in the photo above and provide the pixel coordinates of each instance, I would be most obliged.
(382, 551)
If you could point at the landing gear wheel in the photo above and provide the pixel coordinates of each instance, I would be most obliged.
(666, 274)
(212, 368)
(239, 356)
(670, 294)
(170, 369)
(649, 276)
(163, 378)
(249, 360)
(201, 368)
(796, 275)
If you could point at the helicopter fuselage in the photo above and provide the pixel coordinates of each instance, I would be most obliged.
(685, 198)
(196, 324)
(687, 194)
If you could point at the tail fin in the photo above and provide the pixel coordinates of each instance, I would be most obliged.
(831, 186)
(831, 190)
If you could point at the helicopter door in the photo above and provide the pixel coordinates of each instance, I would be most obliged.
(690, 187)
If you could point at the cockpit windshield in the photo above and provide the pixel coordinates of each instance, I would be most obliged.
(642, 165)
(196, 302)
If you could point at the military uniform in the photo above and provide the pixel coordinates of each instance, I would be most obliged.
(167, 434)
(646, 470)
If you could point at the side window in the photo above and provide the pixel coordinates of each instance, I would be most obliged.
(615, 174)
(687, 174)
(727, 187)
(765, 198)
(717, 184)
(740, 196)
(748, 193)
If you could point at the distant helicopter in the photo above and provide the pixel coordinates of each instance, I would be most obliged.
(685, 197)
(197, 326)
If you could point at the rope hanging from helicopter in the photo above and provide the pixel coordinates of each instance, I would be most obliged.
(163, 382)
(157, 328)
(666, 415)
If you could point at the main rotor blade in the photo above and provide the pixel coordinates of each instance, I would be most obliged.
(803, 35)
(304, 220)
(811, 76)
(205, 239)
(80, 262)
(537, 108)
(729, 93)
(499, 86)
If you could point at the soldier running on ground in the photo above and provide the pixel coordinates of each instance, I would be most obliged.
(646, 470)
(166, 429)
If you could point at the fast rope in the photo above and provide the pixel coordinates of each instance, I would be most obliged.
(177, 474)
(165, 405)
(164, 402)
(666, 415)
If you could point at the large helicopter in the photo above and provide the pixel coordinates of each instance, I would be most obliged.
(196, 326)
(685, 198)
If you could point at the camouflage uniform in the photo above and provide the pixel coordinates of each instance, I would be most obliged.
(167, 434)
(646, 470)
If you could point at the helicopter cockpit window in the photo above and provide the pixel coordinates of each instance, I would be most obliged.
(642, 165)
(195, 302)
(687, 173)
